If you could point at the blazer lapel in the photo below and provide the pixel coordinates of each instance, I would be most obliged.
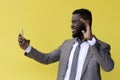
(67, 52)
(87, 60)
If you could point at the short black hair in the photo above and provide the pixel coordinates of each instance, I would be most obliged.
(85, 14)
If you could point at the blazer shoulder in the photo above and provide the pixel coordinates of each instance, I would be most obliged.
(103, 44)
(69, 41)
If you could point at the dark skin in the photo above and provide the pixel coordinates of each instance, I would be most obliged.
(77, 31)
(23, 43)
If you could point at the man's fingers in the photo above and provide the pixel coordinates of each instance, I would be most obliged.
(83, 32)
(23, 43)
(83, 21)
(86, 23)
(21, 39)
(20, 36)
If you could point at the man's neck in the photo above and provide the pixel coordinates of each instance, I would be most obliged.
(81, 38)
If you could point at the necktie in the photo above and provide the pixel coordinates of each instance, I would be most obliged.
(74, 62)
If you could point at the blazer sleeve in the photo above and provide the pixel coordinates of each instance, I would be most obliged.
(101, 51)
(45, 58)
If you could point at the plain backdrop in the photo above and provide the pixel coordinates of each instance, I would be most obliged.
(47, 24)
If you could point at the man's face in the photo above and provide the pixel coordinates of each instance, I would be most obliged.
(76, 26)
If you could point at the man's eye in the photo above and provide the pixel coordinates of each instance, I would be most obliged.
(74, 21)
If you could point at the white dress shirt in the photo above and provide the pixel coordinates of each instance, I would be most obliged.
(81, 59)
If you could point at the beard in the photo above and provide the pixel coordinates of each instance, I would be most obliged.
(78, 32)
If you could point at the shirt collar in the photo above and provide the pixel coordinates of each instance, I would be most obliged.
(78, 40)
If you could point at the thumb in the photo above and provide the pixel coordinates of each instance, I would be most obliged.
(83, 32)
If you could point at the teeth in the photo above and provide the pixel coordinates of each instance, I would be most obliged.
(73, 30)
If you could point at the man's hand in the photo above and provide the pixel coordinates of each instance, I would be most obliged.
(23, 43)
(88, 33)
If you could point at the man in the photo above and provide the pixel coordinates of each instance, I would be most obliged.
(91, 53)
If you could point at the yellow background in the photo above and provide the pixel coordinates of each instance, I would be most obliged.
(47, 24)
